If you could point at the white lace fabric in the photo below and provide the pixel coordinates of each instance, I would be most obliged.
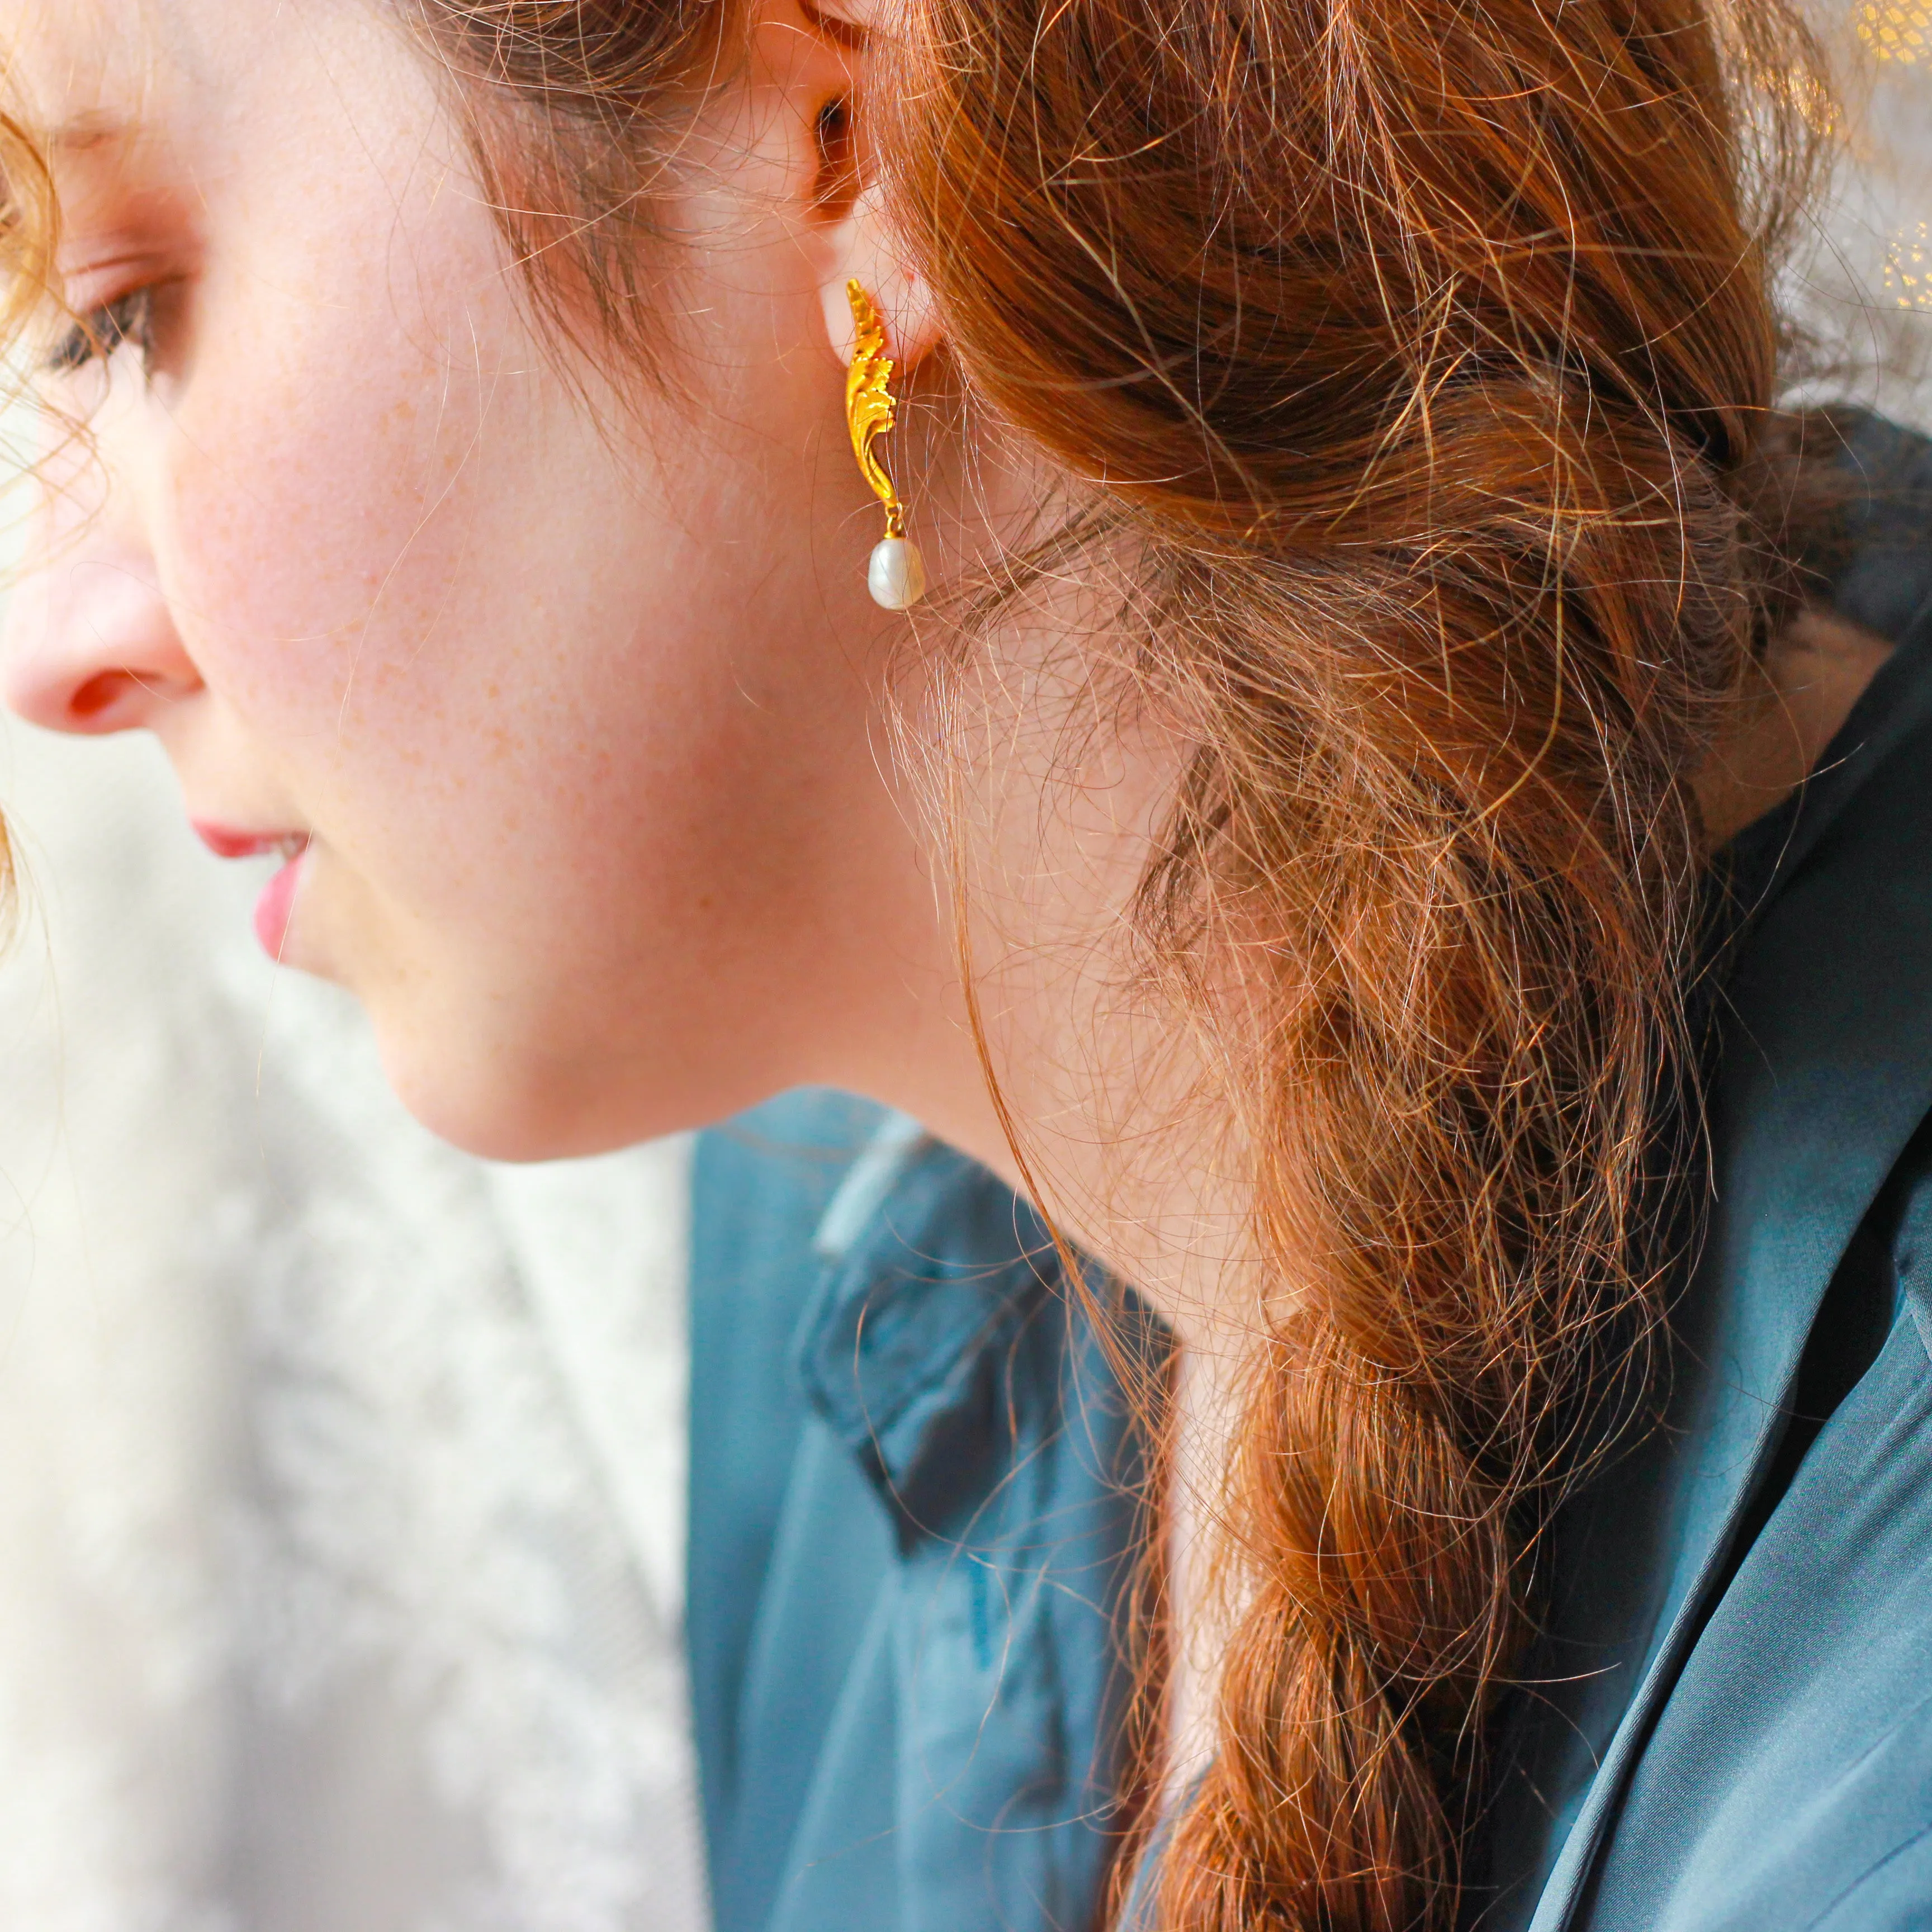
(341, 1476)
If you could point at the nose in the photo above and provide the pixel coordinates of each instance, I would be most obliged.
(90, 645)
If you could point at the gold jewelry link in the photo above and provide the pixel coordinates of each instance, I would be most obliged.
(870, 410)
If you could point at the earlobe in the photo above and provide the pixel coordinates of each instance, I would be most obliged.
(861, 247)
(855, 241)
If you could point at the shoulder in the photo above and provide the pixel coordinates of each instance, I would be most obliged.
(1790, 1772)
(1880, 577)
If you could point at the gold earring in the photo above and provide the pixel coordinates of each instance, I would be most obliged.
(895, 574)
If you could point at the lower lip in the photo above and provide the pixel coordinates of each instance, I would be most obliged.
(278, 902)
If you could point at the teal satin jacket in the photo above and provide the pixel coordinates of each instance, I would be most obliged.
(915, 1485)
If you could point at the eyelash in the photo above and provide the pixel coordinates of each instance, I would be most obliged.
(126, 321)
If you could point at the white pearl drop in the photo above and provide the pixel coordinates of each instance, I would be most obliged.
(896, 574)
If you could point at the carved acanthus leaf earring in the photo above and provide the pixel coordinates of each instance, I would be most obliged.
(896, 573)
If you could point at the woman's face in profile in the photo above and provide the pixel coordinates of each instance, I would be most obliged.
(566, 701)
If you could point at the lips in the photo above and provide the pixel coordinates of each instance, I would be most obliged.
(276, 905)
(226, 843)
(272, 909)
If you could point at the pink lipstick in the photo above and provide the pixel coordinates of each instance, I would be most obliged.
(273, 909)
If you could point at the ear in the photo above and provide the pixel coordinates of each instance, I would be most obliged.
(852, 239)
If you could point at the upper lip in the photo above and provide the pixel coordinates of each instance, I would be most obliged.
(225, 841)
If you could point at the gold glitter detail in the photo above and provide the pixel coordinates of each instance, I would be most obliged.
(1896, 30)
(1908, 268)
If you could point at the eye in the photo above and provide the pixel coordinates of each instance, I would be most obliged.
(128, 321)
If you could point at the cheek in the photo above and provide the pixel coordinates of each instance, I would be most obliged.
(349, 522)
(310, 542)
(487, 672)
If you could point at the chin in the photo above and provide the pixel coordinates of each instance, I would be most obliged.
(523, 1107)
(487, 1110)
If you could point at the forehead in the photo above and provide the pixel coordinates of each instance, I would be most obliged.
(235, 138)
(97, 79)
(87, 73)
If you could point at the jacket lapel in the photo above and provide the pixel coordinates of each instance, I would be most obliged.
(1825, 1071)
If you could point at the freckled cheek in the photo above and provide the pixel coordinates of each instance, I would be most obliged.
(404, 630)
(307, 564)
(335, 603)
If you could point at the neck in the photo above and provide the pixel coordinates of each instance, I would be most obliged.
(1789, 709)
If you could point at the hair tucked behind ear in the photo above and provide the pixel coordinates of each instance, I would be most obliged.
(1427, 351)
(575, 107)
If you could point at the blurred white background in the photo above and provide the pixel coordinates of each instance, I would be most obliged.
(341, 1476)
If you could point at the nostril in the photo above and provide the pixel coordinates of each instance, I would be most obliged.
(97, 693)
(90, 646)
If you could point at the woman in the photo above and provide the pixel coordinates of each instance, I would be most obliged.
(1337, 449)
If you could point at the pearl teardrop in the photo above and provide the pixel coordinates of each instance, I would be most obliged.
(896, 574)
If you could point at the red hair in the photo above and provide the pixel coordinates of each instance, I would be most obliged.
(1428, 352)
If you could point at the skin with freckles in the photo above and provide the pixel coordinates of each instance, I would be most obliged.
(582, 728)
(570, 682)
